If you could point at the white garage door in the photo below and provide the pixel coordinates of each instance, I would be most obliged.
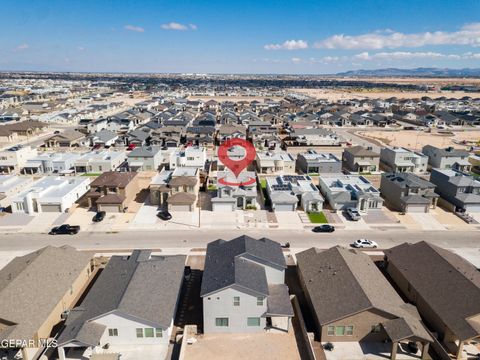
(284, 207)
(416, 208)
(109, 208)
(180, 207)
(473, 208)
(222, 207)
(51, 208)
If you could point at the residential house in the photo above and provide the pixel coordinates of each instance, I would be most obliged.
(444, 287)
(168, 136)
(99, 161)
(287, 192)
(275, 162)
(35, 290)
(351, 301)
(105, 138)
(112, 191)
(46, 163)
(132, 304)
(312, 162)
(360, 159)
(243, 289)
(50, 194)
(145, 158)
(313, 137)
(235, 192)
(227, 132)
(13, 159)
(343, 191)
(407, 192)
(11, 185)
(397, 159)
(191, 156)
(462, 191)
(68, 138)
(448, 158)
(176, 190)
(138, 137)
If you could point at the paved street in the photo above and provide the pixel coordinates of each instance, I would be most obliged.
(183, 240)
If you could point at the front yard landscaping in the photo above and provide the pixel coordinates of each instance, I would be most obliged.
(317, 218)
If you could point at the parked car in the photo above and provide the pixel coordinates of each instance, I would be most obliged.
(323, 228)
(97, 146)
(131, 147)
(353, 214)
(164, 215)
(364, 243)
(65, 229)
(99, 216)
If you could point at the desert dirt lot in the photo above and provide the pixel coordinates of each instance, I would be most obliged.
(417, 139)
(234, 98)
(255, 346)
(335, 95)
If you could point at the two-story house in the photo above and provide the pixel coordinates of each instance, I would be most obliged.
(360, 159)
(459, 189)
(448, 158)
(275, 162)
(13, 159)
(145, 158)
(235, 193)
(131, 304)
(176, 190)
(397, 159)
(243, 289)
(112, 191)
(191, 156)
(408, 192)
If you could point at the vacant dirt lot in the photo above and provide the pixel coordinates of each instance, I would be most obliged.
(417, 139)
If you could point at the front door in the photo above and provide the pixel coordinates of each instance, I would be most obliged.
(240, 203)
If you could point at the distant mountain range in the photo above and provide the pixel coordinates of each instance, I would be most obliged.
(418, 72)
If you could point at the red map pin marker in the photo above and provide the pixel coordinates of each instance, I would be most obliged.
(236, 166)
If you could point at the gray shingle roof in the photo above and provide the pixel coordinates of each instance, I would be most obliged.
(225, 264)
(139, 285)
(447, 282)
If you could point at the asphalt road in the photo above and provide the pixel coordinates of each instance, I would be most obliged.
(188, 239)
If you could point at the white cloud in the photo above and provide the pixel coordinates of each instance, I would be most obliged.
(468, 35)
(296, 60)
(80, 48)
(179, 27)
(406, 55)
(288, 45)
(22, 47)
(134, 28)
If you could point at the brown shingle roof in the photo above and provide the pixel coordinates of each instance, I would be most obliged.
(446, 281)
(361, 151)
(183, 181)
(182, 198)
(111, 199)
(114, 179)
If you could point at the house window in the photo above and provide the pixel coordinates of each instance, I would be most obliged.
(158, 333)
(349, 330)
(221, 321)
(331, 330)
(376, 329)
(259, 301)
(112, 189)
(236, 301)
(19, 206)
(339, 330)
(253, 321)
(139, 332)
(112, 332)
(149, 332)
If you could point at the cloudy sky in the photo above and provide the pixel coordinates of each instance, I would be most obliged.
(308, 37)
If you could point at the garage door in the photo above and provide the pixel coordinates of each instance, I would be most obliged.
(222, 207)
(416, 208)
(284, 207)
(109, 208)
(180, 207)
(51, 208)
(473, 208)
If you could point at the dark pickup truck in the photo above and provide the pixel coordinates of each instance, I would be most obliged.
(65, 230)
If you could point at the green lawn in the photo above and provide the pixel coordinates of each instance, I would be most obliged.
(317, 218)
(263, 183)
(212, 187)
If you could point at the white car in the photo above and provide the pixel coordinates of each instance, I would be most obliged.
(353, 214)
(364, 243)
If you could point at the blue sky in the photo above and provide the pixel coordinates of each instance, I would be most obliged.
(311, 37)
